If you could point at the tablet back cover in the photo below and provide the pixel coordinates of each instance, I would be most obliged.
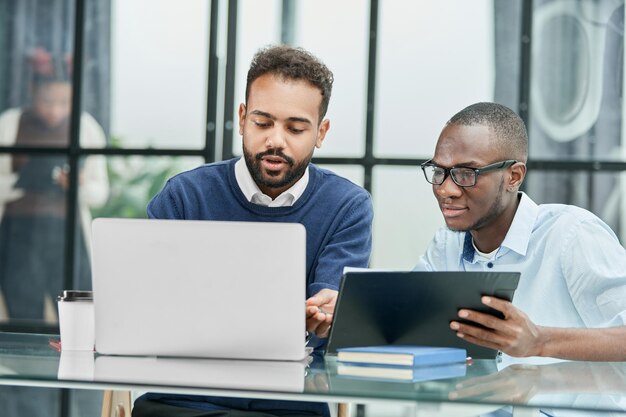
(413, 308)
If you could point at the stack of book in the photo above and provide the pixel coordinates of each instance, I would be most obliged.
(401, 363)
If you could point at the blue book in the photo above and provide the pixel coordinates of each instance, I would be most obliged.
(400, 373)
(408, 356)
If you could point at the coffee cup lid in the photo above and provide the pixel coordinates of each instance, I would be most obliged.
(75, 295)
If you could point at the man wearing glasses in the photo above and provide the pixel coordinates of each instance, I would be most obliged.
(571, 298)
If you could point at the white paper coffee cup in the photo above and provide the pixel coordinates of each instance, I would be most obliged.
(76, 320)
(77, 365)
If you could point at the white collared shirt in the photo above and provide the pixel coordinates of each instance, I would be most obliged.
(253, 193)
(573, 266)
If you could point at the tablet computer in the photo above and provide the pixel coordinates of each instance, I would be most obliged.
(413, 308)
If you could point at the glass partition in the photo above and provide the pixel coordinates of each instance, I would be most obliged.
(576, 107)
(134, 180)
(576, 85)
(343, 46)
(434, 58)
(158, 69)
(406, 216)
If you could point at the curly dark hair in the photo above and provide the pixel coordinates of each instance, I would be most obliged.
(509, 131)
(291, 63)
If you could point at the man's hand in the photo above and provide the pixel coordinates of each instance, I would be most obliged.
(517, 383)
(515, 335)
(319, 312)
(61, 176)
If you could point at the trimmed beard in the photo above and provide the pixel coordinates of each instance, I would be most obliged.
(293, 174)
(494, 211)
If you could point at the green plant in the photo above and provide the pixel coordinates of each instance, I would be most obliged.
(134, 180)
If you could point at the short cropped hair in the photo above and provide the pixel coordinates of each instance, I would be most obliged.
(295, 64)
(508, 129)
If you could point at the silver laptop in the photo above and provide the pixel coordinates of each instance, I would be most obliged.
(211, 289)
(284, 376)
(264, 375)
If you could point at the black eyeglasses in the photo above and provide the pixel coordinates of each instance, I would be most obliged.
(462, 176)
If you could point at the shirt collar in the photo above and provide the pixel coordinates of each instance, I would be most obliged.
(518, 236)
(253, 193)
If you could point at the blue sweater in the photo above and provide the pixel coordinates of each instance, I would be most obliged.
(336, 213)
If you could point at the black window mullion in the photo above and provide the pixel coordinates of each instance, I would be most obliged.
(73, 162)
(525, 60)
(74, 144)
(523, 108)
(211, 116)
(287, 22)
(229, 91)
(369, 160)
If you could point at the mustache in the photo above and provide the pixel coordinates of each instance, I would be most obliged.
(275, 152)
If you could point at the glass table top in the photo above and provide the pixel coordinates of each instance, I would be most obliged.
(29, 359)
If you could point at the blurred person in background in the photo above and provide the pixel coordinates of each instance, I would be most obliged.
(33, 193)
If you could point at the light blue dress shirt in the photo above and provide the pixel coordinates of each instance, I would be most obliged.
(573, 268)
